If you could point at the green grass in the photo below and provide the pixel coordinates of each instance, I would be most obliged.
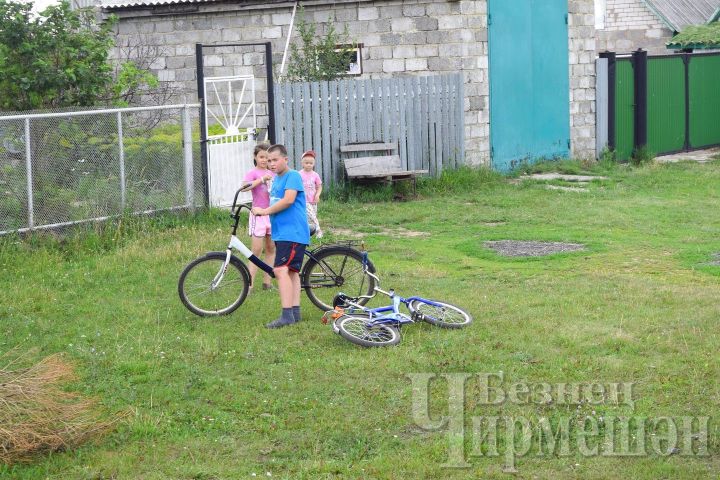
(225, 398)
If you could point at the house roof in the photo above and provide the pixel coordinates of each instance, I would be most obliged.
(697, 37)
(144, 3)
(678, 14)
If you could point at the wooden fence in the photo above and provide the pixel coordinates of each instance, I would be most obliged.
(423, 116)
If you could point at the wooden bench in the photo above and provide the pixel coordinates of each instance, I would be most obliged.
(384, 168)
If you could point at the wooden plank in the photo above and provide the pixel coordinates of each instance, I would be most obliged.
(368, 120)
(279, 115)
(289, 131)
(366, 147)
(444, 109)
(432, 110)
(406, 85)
(452, 127)
(417, 124)
(325, 146)
(352, 116)
(461, 118)
(316, 128)
(307, 123)
(342, 113)
(402, 130)
(394, 174)
(335, 170)
(386, 107)
(297, 120)
(377, 111)
(372, 165)
(424, 121)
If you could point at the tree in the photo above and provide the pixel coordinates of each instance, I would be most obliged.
(57, 59)
(319, 58)
(61, 58)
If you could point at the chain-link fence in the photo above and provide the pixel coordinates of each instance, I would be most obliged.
(62, 168)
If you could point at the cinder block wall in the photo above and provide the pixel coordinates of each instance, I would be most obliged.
(630, 25)
(399, 37)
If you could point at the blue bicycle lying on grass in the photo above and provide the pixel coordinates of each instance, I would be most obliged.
(380, 327)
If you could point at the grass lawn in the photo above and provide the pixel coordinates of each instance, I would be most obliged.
(226, 398)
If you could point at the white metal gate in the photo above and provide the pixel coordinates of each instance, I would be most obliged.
(231, 105)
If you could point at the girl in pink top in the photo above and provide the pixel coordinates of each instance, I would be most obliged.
(259, 228)
(312, 183)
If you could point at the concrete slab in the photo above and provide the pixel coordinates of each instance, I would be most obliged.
(700, 156)
(566, 189)
(560, 176)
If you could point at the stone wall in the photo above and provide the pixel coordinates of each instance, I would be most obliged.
(399, 37)
(629, 25)
(581, 21)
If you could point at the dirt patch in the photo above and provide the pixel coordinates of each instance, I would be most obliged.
(517, 248)
(716, 260)
(399, 232)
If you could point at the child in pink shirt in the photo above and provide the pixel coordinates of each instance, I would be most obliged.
(313, 188)
(259, 228)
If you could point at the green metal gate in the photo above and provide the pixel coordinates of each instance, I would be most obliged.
(666, 103)
(704, 73)
(624, 109)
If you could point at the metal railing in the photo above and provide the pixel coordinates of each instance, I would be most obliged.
(63, 168)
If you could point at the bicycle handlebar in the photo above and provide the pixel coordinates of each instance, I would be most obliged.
(235, 205)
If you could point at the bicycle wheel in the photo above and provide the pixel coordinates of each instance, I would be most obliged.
(354, 328)
(335, 270)
(442, 315)
(199, 296)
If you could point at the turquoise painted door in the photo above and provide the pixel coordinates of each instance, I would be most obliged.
(529, 81)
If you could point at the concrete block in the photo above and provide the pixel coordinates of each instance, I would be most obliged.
(404, 51)
(393, 65)
(416, 64)
(426, 23)
(402, 24)
(368, 13)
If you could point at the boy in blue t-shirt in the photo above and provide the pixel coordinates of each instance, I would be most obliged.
(290, 232)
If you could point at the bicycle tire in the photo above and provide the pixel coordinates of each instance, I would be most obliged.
(194, 285)
(335, 270)
(353, 328)
(445, 316)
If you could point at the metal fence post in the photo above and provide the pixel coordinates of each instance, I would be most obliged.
(640, 64)
(601, 110)
(121, 148)
(188, 156)
(28, 175)
(611, 94)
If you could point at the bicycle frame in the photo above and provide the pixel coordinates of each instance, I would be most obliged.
(395, 317)
(237, 244)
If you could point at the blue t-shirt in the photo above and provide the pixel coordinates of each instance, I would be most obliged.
(289, 225)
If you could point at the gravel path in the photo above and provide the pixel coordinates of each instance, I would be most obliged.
(517, 248)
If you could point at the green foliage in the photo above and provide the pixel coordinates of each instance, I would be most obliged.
(57, 59)
(317, 58)
(698, 36)
(641, 156)
(60, 58)
(129, 79)
(227, 398)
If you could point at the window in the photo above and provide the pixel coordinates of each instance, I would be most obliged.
(355, 58)
(600, 13)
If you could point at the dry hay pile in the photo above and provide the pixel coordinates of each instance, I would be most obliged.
(37, 416)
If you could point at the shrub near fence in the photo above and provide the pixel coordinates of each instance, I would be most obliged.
(80, 166)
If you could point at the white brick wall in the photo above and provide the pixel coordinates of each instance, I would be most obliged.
(400, 37)
(629, 25)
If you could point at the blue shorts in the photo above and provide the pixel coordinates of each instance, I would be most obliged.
(289, 254)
